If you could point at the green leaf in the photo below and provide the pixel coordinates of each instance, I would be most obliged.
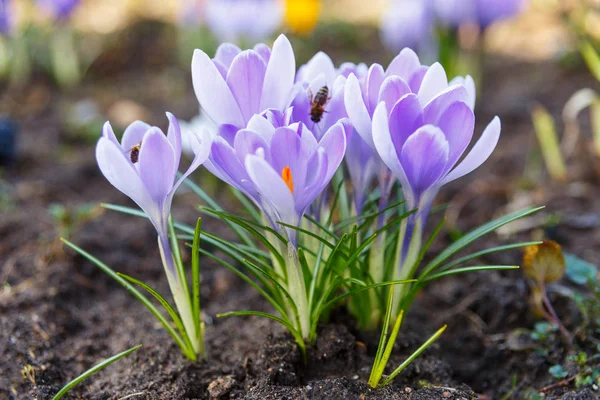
(369, 287)
(241, 234)
(323, 228)
(92, 371)
(414, 355)
(177, 259)
(307, 232)
(375, 376)
(137, 294)
(247, 204)
(474, 235)
(168, 308)
(580, 271)
(558, 371)
(463, 270)
(486, 252)
(196, 278)
(371, 216)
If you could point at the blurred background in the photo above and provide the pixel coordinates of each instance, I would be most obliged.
(67, 66)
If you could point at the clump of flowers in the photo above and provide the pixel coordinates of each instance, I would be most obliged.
(337, 169)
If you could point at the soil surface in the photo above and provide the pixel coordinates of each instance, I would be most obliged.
(59, 314)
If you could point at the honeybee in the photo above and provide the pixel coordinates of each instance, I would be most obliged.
(134, 152)
(317, 104)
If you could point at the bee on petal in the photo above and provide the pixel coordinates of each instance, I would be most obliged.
(317, 104)
(134, 152)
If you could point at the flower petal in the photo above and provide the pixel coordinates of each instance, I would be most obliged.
(264, 51)
(174, 136)
(134, 134)
(249, 142)
(479, 153)
(229, 168)
(117, 169)
(245, 78)
(405, 118)
(434, 82)
(373, 83)
(424, 157)
(287, 150)
(392, 90)
(262, 126)
(212, 92)
(108, 133)
(469, 84)
(201, 144)
(404, 64)
(156, 165)
(279, 78)
(384, 144)
(273, 191)
(457, 123)
(357, 110)
(226, 52)
(438, 106)
(334, 144)
(320, 63)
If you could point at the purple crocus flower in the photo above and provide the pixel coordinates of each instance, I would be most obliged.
(404, 75)
(481, 12)
(6, 17)
(148, 175)
(421, 140)
(59, 9)
(409, 23)
(314, 76)
(237, 84)
(282, 168)
(234, 20)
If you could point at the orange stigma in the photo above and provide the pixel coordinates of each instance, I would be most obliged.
(286, 175)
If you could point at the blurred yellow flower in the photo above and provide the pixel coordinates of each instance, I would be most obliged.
(544, 263)
(301, 16)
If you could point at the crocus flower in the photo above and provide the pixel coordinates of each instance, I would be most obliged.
(421, 137)
(197, 124)
(319, 74)
(59, 9)
(234, 20)
(282, 168)
(148, 175)
(409, 23)
(237, 84)
(6, 16)
(481, 12)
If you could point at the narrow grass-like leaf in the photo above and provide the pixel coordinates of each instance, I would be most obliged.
(168, 308)
(247, 204)
(242, 235)
(196, 279)
(457, 271)
(369, 287)
(320, 226)
(136, 293)
(177, 258)
(371, 216)
(373, 378)
(472, 256)
(307, 232)
(474, 235)
(283, 322)
(414, 355)
(92, 371)
(379, 367)
(277, 305)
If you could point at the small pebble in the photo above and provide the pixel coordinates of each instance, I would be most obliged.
(220, 386)
(446, 395)
(407, 389)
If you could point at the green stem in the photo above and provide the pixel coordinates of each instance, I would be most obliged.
(182, 301)
(407, 264)
(297, 289)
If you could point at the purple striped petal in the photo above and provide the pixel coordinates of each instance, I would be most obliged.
(406, 117)
(404, 64)
(434, 82)
(156, 164)
(373, 83)
(392, 90)
(357, 110)
(174, 136)
(479, 153)
(438, 106)
(457, 123)
(424, 157)
(134, 134)
(245, 78)
(212, 92)
(226, 53)
(279, 77)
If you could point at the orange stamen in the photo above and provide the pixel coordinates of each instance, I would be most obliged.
(286, 174)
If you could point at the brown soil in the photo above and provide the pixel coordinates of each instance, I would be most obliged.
(60, 315)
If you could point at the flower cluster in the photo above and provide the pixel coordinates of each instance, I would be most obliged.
(279, 137)
(413, 22)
